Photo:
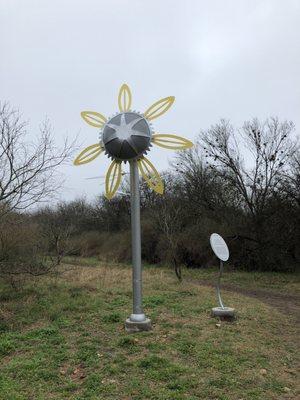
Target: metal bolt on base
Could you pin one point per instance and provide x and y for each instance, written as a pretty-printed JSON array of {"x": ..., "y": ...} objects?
[{"x": 137, "y": 321}]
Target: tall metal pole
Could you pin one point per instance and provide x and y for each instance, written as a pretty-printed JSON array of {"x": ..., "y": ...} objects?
[{"x": 138, "y": 314}]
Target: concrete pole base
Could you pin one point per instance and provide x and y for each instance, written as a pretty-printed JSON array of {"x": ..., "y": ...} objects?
[
  {"x": 225, "y": 314},
  {"x": 138, "y": 326}
]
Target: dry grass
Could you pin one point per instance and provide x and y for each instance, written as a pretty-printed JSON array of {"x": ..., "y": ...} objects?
[{"x": 63, "y": 338}]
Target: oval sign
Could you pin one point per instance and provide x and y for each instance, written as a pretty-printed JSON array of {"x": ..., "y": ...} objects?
[{"x": 219, "y": 246}]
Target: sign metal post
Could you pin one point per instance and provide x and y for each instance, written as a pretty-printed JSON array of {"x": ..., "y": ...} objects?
[{"x": 220, "y": 249}]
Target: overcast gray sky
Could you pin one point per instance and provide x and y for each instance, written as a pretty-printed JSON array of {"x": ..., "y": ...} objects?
[{"x": 235, "y": 59}]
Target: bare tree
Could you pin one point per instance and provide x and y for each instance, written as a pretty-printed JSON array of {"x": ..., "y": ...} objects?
[
  {"x": 253, "y": 160},
  {"x": 267, "y": 147},
  {"x": 28, "y": 175},
  {"x": 167, "y": 212},
  {"x": 28, "y": 170},
  {"x": 206, "y": 190},
  {"x": 55, "y": 230},
  {"x": 291, "y": 179},
  {"x": 24, "y": 250}
]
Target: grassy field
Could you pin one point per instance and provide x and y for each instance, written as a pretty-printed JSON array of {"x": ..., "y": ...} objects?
[{"x": 63, "y": 338}]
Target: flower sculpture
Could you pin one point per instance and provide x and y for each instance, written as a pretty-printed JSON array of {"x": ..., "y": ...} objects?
[{"x": 127, "y": 136}]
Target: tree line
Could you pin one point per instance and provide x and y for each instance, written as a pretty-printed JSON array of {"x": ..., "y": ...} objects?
[{"x": 243, "y": 183}]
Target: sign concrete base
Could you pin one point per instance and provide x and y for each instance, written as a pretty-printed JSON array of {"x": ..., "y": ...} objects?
[
  {"x": 226, "y": 313},
  {"x": 133, "y": 326}
]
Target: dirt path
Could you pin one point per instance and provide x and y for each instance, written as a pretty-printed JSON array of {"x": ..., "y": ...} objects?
[{"x": 285, "y": 303}]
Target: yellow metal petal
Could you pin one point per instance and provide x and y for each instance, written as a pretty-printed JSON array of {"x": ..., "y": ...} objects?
[
  {"x": 151, "y": 176},
  {"x": 159, "y": 108},
  {"x": 124, "y": 98},
  {"x": 88, "y": 154},
  {"x": 113, "y": 179},
  {"x": 172, "y": 142},
  {"x": 93, "y": 118}
]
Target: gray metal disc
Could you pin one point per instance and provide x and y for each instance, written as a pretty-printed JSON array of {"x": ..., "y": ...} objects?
[
  {"x": 126, "y": 136},
  {"x": 219, "y": 246}
]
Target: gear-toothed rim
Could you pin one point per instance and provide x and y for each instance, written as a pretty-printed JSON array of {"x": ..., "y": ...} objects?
[{"x": 139, "y": 155}]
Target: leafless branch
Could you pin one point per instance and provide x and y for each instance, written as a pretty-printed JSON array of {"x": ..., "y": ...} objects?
[{"x": 28, "y": 169}]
